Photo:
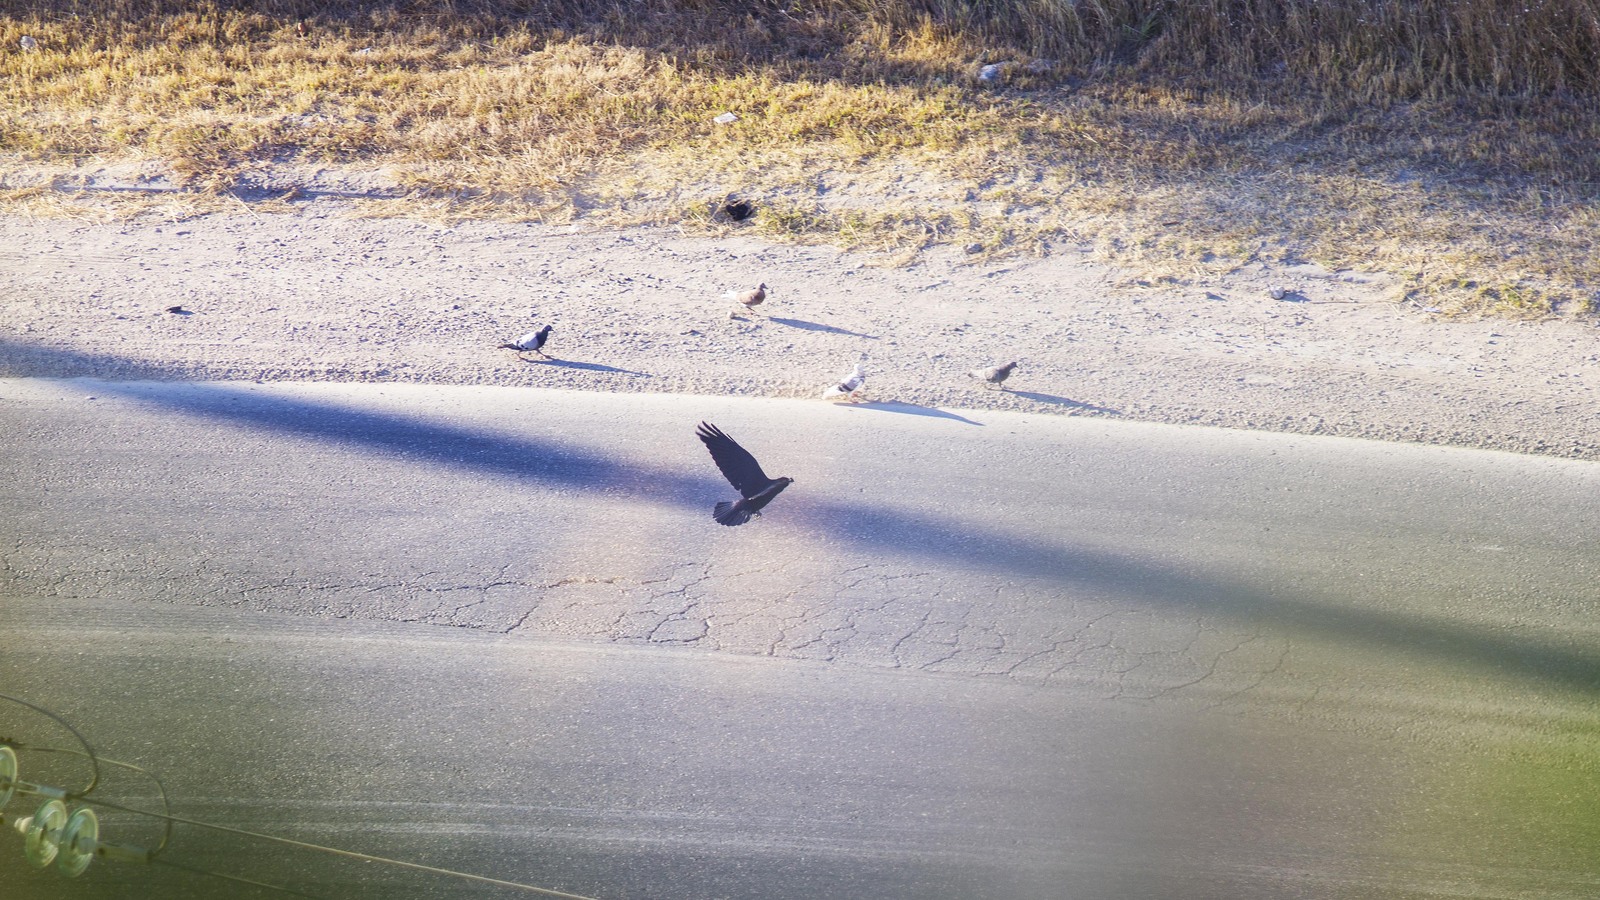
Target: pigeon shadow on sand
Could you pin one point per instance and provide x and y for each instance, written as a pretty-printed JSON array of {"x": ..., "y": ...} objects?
[
  {"x": 1067, "y": 402},
  {"x": 803, "y": 325},
  {"x": 586, "y": 366},
  {"x": 1549, "y": 659},
  {"x": 910, "y": 409}
]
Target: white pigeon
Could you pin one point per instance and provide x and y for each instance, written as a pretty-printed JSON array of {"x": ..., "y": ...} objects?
[
  {"x": 851, "y": 387},
  {"x": 29, "y": 44}
]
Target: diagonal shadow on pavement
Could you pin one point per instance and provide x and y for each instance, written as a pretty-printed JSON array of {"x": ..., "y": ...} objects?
[{"x": 1551, "y": 658}]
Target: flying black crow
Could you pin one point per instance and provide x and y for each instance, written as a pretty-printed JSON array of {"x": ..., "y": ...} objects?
[
  {"x": 995, "y": 375},
  {"x": 744, "y": 473},
  {"x": 533, "y": 340}
]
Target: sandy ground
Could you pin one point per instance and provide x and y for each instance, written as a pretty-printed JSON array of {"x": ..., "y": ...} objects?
[{"x": 318, "y": 295}]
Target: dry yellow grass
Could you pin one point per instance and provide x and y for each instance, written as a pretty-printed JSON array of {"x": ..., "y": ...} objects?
[{"x": 1177, "y": 138}]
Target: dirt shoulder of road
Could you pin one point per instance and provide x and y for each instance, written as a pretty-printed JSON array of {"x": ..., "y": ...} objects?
[{"x": 323, "y": 295}]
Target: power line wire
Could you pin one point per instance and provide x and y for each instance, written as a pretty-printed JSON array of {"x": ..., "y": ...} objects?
[
  {"x": 169, "y": 819},
  {"x": 367, "y": 857},
  {"x": 235, "y": 878},
  {"x": 166, "y": 805},
  {"x": 94, "y": 763}
]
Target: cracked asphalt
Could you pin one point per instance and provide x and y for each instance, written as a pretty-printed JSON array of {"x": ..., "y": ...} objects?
[
  {"x": 1416, "y": 599},
  {"x": 1128, "y": 558}
]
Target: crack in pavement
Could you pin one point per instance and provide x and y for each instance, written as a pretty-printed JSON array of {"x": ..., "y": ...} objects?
[{"x": 863, "y": 614}]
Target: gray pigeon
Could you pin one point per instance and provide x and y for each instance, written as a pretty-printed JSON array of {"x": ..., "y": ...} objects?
[
  {"x": 996, "y": 375},
  {"x": 850, "y": 387},
  {"x": 533, "y": 342}
]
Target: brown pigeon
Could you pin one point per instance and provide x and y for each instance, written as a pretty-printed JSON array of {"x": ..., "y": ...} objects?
[{"x": 748, "y": 299}]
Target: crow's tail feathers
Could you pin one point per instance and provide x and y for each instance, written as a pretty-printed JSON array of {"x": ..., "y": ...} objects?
[{"x": 727, "y": 514}]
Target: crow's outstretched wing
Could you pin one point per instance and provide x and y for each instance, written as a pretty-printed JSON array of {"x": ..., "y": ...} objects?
[{"x": 736, "y": 463}]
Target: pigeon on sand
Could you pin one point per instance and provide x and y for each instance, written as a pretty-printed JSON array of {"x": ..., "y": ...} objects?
[
  {"x": 851, "y": 387},
  {"x": 996, "y": 375},
  {"x": 756, "y": 490},
  {"x": 533, "y": 342},
  {"x": 748, "y": 299}
]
